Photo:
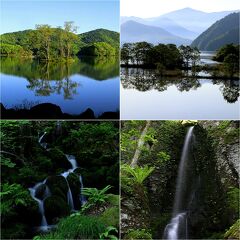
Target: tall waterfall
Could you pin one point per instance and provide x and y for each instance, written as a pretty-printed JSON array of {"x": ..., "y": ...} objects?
[
  {"x": 179, "y": 217},
  {"x": 44, "y": 224}
]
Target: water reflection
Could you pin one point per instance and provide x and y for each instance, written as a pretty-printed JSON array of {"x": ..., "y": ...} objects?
[
  {"x": 146, "y": 80},
  {"x": 84, "y": 81}
]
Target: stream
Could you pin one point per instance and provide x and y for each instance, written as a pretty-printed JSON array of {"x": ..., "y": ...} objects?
[{"x": 47, "y": 193}]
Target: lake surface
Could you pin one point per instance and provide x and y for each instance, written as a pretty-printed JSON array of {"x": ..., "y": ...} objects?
[
  {"x": 146, "y": 96},
  {"x": 206, "y": 58},
  {"x": 86, "y": 83}
]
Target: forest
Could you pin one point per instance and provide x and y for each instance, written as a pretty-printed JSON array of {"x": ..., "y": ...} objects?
[
  {"x": 164, "y": 57},
  {"x": 59, "y": 180},
  {"x": 47, "y": 43},
  {"x": 179, "y": 180}
]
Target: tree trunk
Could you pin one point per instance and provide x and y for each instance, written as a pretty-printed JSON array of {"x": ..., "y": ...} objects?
[{"x": 139, "y": 145}]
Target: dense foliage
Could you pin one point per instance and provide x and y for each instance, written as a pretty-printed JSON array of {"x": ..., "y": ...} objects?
[
  {"x": 25, "y": 162},
  {"x": 100, "y": 35},
  {"x": 98, "y": 49},
  {"x": 228, "y": 56},
  {"x": 224, "y": 31},
  {"x": 12, "y": 50},
  {"x": 57, "y": 44},
  {"x": 160, "y": 56}
]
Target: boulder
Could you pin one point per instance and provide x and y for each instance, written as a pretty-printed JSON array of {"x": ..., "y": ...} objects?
[
  {"x": 58, "y": 186},
  {"x": 55, "y": 208},
  {"x": 46, "y": 110},
  {"x": 75, "y": 186},
  {"x": 58, "y": 159}
]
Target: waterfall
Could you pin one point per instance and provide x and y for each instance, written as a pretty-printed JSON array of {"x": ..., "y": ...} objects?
[
  {"x": 179, "y": 218},
  {"x": 82, "y": 197},
  {"x": 72, "y": 160},
  {"x": 44, "y": 225},
  {"x": 43, "y": 144}
]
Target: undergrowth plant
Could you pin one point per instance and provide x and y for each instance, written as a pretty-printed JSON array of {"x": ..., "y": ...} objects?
[
  {"x": 138, "y": 174},
  {"x": 108, "y": 234},
  {"x": 95, "y": 195}
]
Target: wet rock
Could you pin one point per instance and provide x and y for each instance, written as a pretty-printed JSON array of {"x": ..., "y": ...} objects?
[
  {"x": 40, "y": 192},
  {"x": 59, "y": 159},
  {"x": 55, "y": 208},
  {"x": 75, "y": 186},
  {"x": 58, "y": 186}
]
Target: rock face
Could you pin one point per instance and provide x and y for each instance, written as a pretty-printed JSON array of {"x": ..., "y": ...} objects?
[
  {"x": 133, "y": 214},
  {"x": 227, "y": 150}
]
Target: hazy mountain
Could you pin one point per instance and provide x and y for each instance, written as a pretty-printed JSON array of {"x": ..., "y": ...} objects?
[
  {"x": 132, "y": 31},
  {"x": 224, "y": 31},
  {"x": 194, "y": 20},
  {"x": 165, "y": 23}
]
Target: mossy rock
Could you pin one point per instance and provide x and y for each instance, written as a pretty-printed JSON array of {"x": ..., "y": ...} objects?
[
  {"x": 55, "y": 208},
  {"x": 59, "y": 159},
  {"x": 75, "y": 186},
  {"x": 30, "y": 212},
  {"x": 58, "y": 186},
  {"x": 110, "y": 217},
  {"x": 40, "y": 191}
]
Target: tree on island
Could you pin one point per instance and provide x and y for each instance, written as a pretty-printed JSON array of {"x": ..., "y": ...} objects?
[
  {"x": 189, "y": 55},
  {"x": 43, "y": 38}
]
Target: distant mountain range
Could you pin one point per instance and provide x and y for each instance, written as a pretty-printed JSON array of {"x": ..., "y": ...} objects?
[
  {"x": 183, "y": 25},
  {"x": 224, "y": 31},
  {"x": 132, "y": 31}
]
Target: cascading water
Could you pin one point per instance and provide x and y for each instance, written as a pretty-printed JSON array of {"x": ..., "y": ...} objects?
[
  {"x": 179, "y": 218},
  {"x": 73, "y": 162},
  {"x": 44, "y": 225},
  {"x": 43, "y": 144},
  {"x": 82, "y": 197}
]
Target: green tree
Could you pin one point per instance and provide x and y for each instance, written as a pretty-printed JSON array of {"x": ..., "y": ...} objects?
[
  {"x": 69, "y": 37},
  {"x": 44, "y": 38},
  {"x": 186, "y": 53},
  {"x": 231, "y": 64},
  {"x": 126, "y": 53}
]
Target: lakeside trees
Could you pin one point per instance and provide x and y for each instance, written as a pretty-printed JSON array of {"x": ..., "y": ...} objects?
[
  {"x": 45, "y": 43},
  {"x": 228, "y": 55},
  {"x": 59, "y": 44},
  {"x": 160, "y": 56}
]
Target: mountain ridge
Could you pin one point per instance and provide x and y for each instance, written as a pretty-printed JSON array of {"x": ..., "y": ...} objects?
[
  {"x": 132, "y": 31},
  {"x": 223, "y": 31}
]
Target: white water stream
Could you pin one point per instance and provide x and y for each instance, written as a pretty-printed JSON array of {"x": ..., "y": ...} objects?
[
  {"x": 179, "y": 219},
  {"x": 44, "y": 225}
]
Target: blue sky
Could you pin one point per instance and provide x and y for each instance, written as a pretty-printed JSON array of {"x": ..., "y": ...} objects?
[{"x": 87, "y": 15}]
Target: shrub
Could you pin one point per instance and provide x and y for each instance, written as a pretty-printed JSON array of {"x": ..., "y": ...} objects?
[
  {"x": 76, "y": 227},
  {"x": 138, "y": 234},
  {"x": 96, "y": 196},
  {"x": 233, "y": 232},
  {"x": 138, "y": 174},
  {"x": 110, "y": 217}
]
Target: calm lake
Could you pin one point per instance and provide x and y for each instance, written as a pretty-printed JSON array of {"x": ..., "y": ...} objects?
[
  {"x": 145, "y": 96},
  {"x": 86, "y": 83}
]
